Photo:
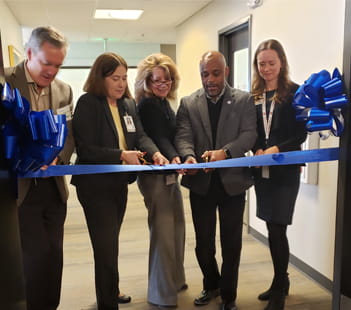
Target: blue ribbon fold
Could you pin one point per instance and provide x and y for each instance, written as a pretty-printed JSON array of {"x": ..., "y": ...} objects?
[
  {"x": 319, "y": 102},
  {"x": 31, "y": 139},
  {"x": 286, "y": 158}
]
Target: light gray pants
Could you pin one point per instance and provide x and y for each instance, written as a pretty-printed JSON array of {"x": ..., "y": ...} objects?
[{"x": 167, "y": 236}]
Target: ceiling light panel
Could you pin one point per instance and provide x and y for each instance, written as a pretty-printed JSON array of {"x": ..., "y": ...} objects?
[{"x": 118, "y": 14}]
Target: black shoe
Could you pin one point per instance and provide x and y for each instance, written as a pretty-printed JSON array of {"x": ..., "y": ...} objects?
[
  {"x": 267, "y": 294},
  {"x": 205, "y": 297},
  {"x": 228, "y": 306},
  {"x": 124, "y": 299},
  {"x": 184, "y": 287},
  {"x": 276, "y": 300}
]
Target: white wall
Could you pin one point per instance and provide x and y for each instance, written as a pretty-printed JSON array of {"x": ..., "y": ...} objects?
[
  {"x": 10, "y": 32},
  {"x": 312, "y": 34},
  {"x": 76, "y": 79},
  {"x": 85, "y": 53}
]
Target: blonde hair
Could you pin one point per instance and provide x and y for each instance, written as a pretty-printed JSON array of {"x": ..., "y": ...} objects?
[
  {"x": 144, "y": 74},
  {"x": 284, "y": 83},
  {"x": 104, "y": 66}
]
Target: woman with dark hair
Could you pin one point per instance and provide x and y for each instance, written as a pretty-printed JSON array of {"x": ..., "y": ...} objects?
[
  {"x": 156, "y": 84},
  {"x": 107, "y": 131},
  {"x": 276, "y": 186}
]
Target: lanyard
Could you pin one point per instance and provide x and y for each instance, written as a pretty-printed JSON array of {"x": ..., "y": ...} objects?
[{"x": 267, "y": 123}]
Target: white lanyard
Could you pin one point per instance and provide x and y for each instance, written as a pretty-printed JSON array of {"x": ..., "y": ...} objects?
[{"x": 267, "y": 123}]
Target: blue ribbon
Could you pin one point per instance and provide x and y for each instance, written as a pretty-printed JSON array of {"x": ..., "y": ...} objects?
[
  {"x": 31, "y": 139},
  {"x": 319, "y": 101},
  {"x": 286, "y": 158}
]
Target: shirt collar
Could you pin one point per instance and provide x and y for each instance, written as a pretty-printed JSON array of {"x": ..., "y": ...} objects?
[{"x": 30, "y": 80}]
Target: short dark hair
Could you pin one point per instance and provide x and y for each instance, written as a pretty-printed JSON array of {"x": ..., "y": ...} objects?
[
  {"x": 40, "y": 35},
  {"x": 104, "y": 66}
]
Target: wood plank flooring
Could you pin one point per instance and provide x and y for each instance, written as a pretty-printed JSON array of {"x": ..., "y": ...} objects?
[{"x": 78, "y": 292}]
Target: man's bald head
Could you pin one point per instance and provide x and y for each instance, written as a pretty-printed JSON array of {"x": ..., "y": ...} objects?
[
  {"x": 214, "y": 71},
  {"x": 212, "y": 56}
]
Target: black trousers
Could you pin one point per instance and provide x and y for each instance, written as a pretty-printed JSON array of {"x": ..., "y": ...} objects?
[
  {"x": 104, "y": 209},
  {"x": 204, "y": 213},
  {"x": 41, "y": 216}
]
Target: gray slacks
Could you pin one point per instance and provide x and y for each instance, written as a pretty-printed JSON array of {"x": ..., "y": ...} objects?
[{"x": 167, "y": 237}]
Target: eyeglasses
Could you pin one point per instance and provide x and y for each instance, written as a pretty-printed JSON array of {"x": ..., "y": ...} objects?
[{"x": 160, "y": 83}]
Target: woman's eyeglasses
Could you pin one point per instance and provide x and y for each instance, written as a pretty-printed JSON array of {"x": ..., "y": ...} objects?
[{"x": 160, "y": 83}]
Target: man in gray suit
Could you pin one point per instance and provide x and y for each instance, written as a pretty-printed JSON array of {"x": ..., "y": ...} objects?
[
  {"x": 42, "y": 201},
  {"x": 214, "y": 123}
]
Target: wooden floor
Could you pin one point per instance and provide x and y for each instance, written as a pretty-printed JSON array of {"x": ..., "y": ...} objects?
[{"x": 78, "y": 292}]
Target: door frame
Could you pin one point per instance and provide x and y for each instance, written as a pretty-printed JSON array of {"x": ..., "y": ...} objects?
[
  {"x": 229, "y": 30},
  {"x": 223, "y": 35},
  {"x": 342, "y": 252}
]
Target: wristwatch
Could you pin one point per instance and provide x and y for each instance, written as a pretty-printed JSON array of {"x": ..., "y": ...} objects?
[{"x": 227, "y": 153}]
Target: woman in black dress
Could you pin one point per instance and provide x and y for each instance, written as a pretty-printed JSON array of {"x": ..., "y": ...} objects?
[{"x": 276, "y": 186}]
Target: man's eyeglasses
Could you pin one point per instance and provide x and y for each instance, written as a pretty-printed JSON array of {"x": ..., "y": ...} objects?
[{"x": 160, "y": 83}]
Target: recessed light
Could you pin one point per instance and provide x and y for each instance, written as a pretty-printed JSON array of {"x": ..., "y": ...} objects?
[{"x": 118, "y": 14}]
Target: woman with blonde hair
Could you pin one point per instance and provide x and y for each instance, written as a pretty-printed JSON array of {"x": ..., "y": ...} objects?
[
  {"x": 276, "y": 186},
  {"x": 156, "y": 84}
]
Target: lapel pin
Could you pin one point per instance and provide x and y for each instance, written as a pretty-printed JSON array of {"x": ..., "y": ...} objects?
[{"x": 229, "y": 102}]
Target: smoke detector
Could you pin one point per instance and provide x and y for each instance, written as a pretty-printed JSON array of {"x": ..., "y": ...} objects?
[{"x": 252, "y": 4}]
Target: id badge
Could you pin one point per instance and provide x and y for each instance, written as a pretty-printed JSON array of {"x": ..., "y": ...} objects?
[
  {"x": 128, "y": 120},
  {"x": 265, "y": 172},
  {"x": 66, "y": 110},
  {"x": 171, "y": 178}
]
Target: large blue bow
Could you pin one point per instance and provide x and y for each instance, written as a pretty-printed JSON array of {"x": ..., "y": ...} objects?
[
  {"x": 319, "y": 102},
  {"x": 31, "y": 139}
]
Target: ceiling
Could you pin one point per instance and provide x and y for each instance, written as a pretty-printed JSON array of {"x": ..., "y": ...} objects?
[{"x": 75, "y": 18}]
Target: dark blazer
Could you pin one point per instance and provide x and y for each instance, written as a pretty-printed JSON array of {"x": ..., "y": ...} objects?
[
  {"x": 159, "y": 123},
  {"x": 96, "y": 136},
  {"x": 236, "y": 132},
  {"x": 61, "y": 96},
  {"x": 286, "y": 132}
]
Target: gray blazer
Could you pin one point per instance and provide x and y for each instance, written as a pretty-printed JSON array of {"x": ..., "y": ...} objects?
[
  {"x": 236, "y": 132},
  {"x": 61, "y": 96}
]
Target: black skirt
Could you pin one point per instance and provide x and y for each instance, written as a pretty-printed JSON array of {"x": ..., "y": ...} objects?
[{"x": 276, "y": 196}]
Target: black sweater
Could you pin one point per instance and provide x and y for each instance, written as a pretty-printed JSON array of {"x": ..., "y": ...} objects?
[{"x": 286, "y": 132}]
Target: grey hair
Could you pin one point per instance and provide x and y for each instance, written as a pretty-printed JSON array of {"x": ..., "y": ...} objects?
[{"x": 48, "y": 34}]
